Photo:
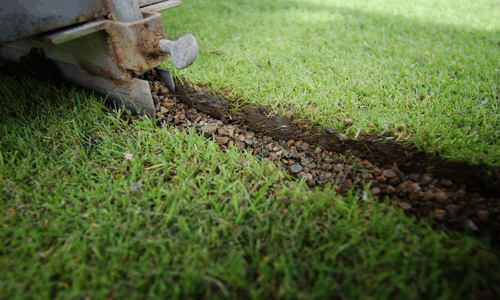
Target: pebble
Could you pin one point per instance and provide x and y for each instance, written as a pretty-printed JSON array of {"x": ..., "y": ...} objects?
[
  {"x": 425, "y": 179},
  {"x": 346, "y": 185},
  {"x": 221, "y": 140},
  {"x": 471, "y": 225},
  {"x": 413, "y": 188},
  {"x": 415, "y": 177},
  {"x": 439, "y": 214},
  {"x": 446, "y": 182},
  {"x": 389, "y": 174},
  {"x": 451, "y": 209},
  {"x": 240, "y": 145},
  {"x": 389, "y": 189},
  {"x": 296, "y": 168},
  {"x": 348, "y": 122},
  {"x": 441, "y": 197},
  {"x": 248, "y": 142},
  {"x": 405, "y": 206}
]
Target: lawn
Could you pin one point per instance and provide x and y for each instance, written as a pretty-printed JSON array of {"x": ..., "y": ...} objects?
[
  {"x": 428, "y": 71},
  {"x": 156, "y": 213}
]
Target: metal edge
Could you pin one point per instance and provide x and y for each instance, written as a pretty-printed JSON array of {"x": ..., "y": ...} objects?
[{"x": 160, "y": 6}]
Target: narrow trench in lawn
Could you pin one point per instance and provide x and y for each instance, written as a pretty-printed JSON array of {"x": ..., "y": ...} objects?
[{"x": 456, "y": 196}]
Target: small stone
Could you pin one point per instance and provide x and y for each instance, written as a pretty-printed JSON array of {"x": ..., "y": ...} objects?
[
  {"x": 441, "y": 197},
  {"x": 317, "y": 150},
  {"x": 328, "y": 175},
  {"x": 338, "y": 167},
  {"x": 250, "y": 135},
  {"x": 198, "y": 119},
  {"x": 241, "y": 138},
  {"x": 394, "y": 181},
  {"x": 348, "y": 122},
  {"x": 452, "y": 210},
  {"x": 446, "y": 182},
  {"x": 240, "y": 145},
  {"x": 454, "y": 221},
  {"x": 221, "y": 131},
  {"x": 428, "y": 196},
  {"x": 368, "y": 165},
  {"x": 346, "y": 185},
  {"x": 248, "y": 142},
  {"x": 389, "y": 174},
  {"x": 405, "y": 206},
  {"x": 221, "y": 140},
  {"x": 402, "y": 189},
  {"x": 482, "y": 215},
  {"x": 461, "y": 193},
  {"x": 208, "y": 130},
  {"x": 375, "y": 191},
  {"x": 311, "y": 183},
  {"x": 415, "y": 177},
  {"x": 439, "y": 214},
  {"x": 425, "y": 179},
  {"x": 471, "y": 225},
  {"x": 290, "y": 143},
  {"x": 381, "y": 178},
  {"x": 296, "y": 168},
  {"x": 478, "y": 200},
  {"x": 389, "y": 189},
  {"x": 413, "y": 188},
  {"x": 169, "y": 105},
  {"x": 305, "y": 146}
]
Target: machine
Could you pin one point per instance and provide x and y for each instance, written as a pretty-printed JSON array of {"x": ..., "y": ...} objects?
[{"x": 102, "y": 45}]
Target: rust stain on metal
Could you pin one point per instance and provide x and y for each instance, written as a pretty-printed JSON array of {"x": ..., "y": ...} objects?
[
  {"x": 114, "y": 52},
  {"x": 149, "y": 36}
]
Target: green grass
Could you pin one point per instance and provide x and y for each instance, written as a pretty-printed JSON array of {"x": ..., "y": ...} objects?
[
  {"x": 418, "y": 69},
  {"x": 182, "y": 220}
]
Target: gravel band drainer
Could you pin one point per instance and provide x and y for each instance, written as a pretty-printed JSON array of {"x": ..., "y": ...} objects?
[{"x": 455, "y": 195}]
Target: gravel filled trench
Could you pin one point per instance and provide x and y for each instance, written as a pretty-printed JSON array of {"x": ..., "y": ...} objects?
[{"x": 451, "y": 205}]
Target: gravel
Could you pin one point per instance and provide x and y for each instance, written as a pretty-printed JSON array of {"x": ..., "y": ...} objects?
[{"x": 422, "y": 195}]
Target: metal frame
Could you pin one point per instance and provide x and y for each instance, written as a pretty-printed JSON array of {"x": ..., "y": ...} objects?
[{"x": 103, "y": 53}]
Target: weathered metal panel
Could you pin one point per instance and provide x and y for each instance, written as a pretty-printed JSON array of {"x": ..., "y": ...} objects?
[
  {"x": 23, "y": 18},
  {"x": 135, "y": 94},
  {"x": 160, "y": 6},
  {"x": 125, "y": 11}
]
